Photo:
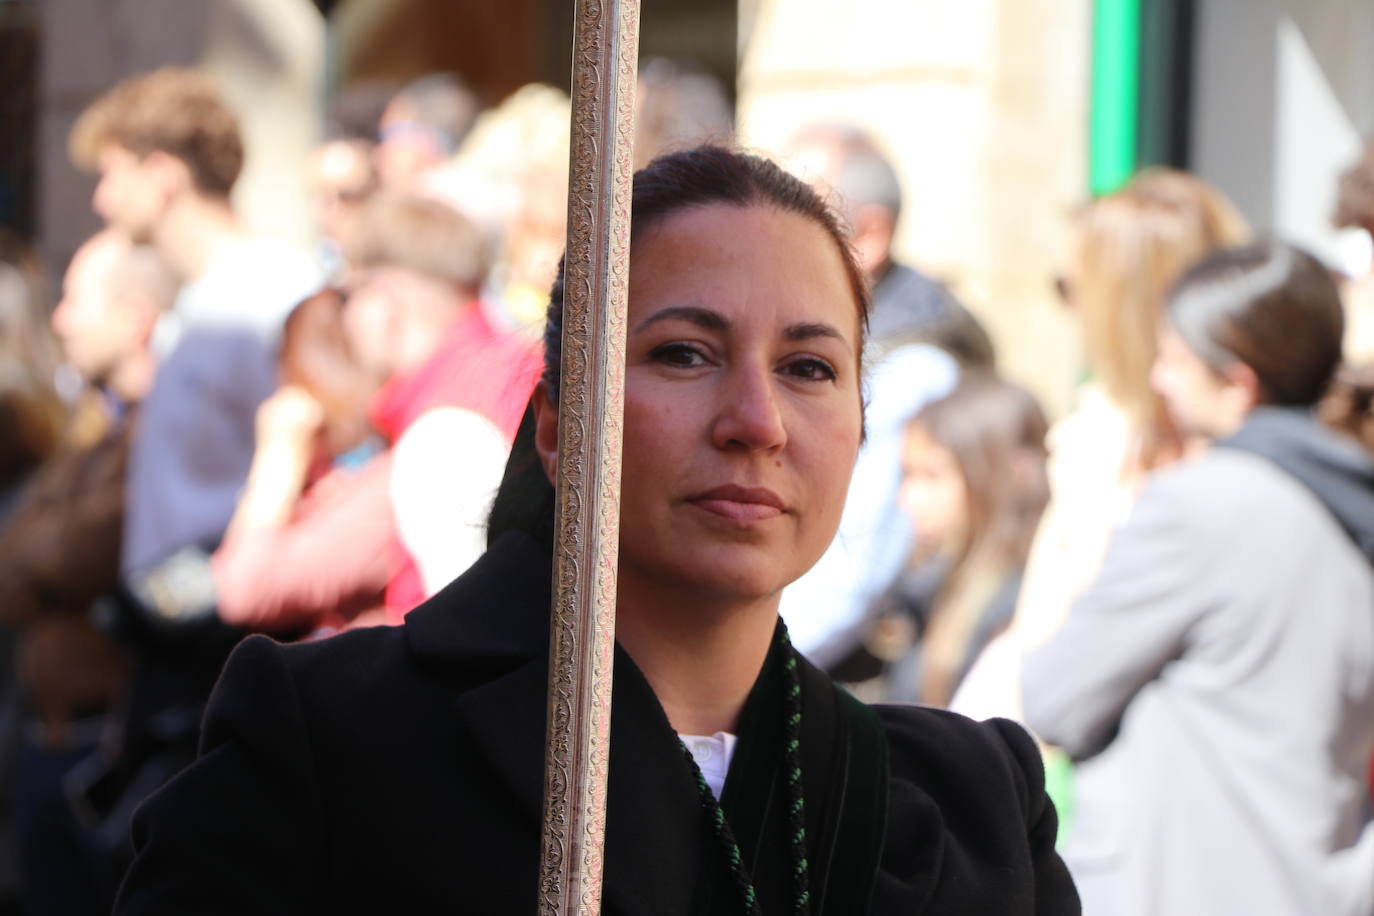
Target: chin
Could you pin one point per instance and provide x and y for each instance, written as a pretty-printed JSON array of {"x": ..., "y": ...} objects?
[{"x": 735, "y": 574}]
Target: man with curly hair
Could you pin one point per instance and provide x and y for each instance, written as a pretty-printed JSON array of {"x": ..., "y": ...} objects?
[{"x": 168, "y": 151}]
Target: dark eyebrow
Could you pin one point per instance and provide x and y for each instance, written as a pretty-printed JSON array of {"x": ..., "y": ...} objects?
[
  {"x": 702, "y": 317},
  {"x": 809, "y": 331},
  {"x": 715, "y": 321}
]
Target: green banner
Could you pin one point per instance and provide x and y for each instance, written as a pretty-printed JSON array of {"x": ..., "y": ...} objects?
[{"x": 1114, "y": 117}]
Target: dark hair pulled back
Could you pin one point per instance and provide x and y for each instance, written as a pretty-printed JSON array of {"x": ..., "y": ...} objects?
[{"x": 1271, "y": 306}]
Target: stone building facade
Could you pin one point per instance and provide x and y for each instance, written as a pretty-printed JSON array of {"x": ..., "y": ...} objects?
[{"x": 982, "y": 105}]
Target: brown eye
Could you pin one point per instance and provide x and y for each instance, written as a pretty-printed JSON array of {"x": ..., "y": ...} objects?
[
  {"x": 678, "y": 355},
  {"x": 811, "y": 369}
]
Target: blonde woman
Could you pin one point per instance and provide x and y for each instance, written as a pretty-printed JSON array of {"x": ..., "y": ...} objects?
[{"x": 1125, "y": 251}]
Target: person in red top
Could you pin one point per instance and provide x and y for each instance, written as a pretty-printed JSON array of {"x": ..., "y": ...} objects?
[
  {"x": 308, "y": 546},
  {"x": 453, "y": 388}
]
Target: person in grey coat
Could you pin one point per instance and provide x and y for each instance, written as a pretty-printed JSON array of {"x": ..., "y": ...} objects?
[{"x": 1216, "y": 683}]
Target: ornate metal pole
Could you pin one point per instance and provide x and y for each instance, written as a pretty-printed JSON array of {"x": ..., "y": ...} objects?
[{"x": 591, "y": 406}]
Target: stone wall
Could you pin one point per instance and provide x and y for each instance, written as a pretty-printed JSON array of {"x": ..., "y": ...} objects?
[
  {"x": 982, "y": 104},
  {"x": 269, "y": 55}
]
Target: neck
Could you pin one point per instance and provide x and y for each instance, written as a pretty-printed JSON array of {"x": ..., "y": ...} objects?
[
  {"x": 194, "y": 232},
  {"x": 700, "y": 657}
]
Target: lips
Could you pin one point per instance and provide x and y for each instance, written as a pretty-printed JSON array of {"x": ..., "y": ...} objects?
[{"x": 740, "y": 504}]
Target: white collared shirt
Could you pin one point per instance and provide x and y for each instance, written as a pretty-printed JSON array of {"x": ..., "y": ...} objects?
[{"x": 712, "y": 754}]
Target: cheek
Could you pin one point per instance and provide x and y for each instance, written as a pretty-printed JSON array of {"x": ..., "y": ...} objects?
[
  {"x": 93, "y": 325},
  {"x": 917, "y": 500},
  {"x": 927, "y": 505},
  {"x": 1183, "y": 386},
  {"x": 106, "y": 201},
  {"x": 653, "y": 433},
  {"x": 953, "y": 503},
  {"x": 114, "y": 329},
  {"x": 62, "y": 317},
  {"x": 365, "y": 326},
  {"x": 830, "y": 452},
  {"x": 652, "y": 464},
  {"x": 1159, "y": 381},
  {"x": 1175, "y": 384},
  {"x": 353, "y": 324},
  {"x": 844, "y": 433},
  {"x": 909, "y": 497}
]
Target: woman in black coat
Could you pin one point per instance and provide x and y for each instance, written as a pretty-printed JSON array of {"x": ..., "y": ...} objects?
[{"x": 400, "y": 770}]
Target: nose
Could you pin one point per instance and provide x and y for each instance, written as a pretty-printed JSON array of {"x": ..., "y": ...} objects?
[
  {"x": 749, "y": 415},
  {"x": 100, "y": 197},
  {"x": 60, "y": 314},
  {"x": 1159, "y": 378},
  {"x": 908, "y": 497}
]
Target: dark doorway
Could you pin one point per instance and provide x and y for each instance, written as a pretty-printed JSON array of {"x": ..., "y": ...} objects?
[
  {"x": 1167, "y": 40},
  {"x": 498, "y": 48},
  {"x": 18, "y": 115}
]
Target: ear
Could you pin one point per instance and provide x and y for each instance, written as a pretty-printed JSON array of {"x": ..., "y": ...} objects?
[
  {"x": 172, "y": 174},
  {"x": 546, "y": 430},
  {"x": 1245, "y": 388},
  {"x": 874, "y": 229}
]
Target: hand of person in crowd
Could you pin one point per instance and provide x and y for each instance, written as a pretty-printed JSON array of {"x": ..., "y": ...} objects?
[
  {"x": 291, "y": 416},
  {"x": 287, "y": 424}
]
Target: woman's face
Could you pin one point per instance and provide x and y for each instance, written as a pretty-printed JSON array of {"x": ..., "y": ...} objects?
[
  {"x": 1201, "y": 401},
  {"x": 932, "y": 491},
  {"x": 742, "y": 409}
]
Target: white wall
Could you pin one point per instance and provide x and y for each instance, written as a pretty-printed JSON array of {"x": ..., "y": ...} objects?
[
  {"x": 983, "y": 107},
  {"x": 1284, "y": 92},
  {"x": 269, "y": 55}
]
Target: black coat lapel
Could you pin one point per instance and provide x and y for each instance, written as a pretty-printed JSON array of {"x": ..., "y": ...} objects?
[
  {"x": 488, "y": 632},
  {"x": 490, "y": 628},
  {"x": 505, "y": 723},
  {"x": 844, "y": 778},
  {"x": 654, "y": 835},
  {"x": 850, "y": 783},
  {"x": 658, "y": 853}
]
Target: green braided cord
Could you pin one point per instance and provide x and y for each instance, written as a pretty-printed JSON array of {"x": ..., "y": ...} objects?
[
  {"x": 721, "y": 828},
  {"x": 796, "y": 808}
]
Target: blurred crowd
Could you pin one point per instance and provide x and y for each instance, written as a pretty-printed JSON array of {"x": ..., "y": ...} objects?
[{"x": 208, "y": 433}]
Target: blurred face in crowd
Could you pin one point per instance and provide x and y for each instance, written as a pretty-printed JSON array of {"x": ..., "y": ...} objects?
[
  {"x": 372, "y": 316},
  {"x": 818, "y": 154},
  {"x": 932, "y": 493},
  {"x": 343, "y": 180},
  {"x": 394, "y": 316},
  {"x": 99, "y": 323},
  {"x": 407, "y": 147},
  {"x": 1202, "y": 401},
  {"x": 132, "y": 192},
  {"x": 742, "y": 407}
]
